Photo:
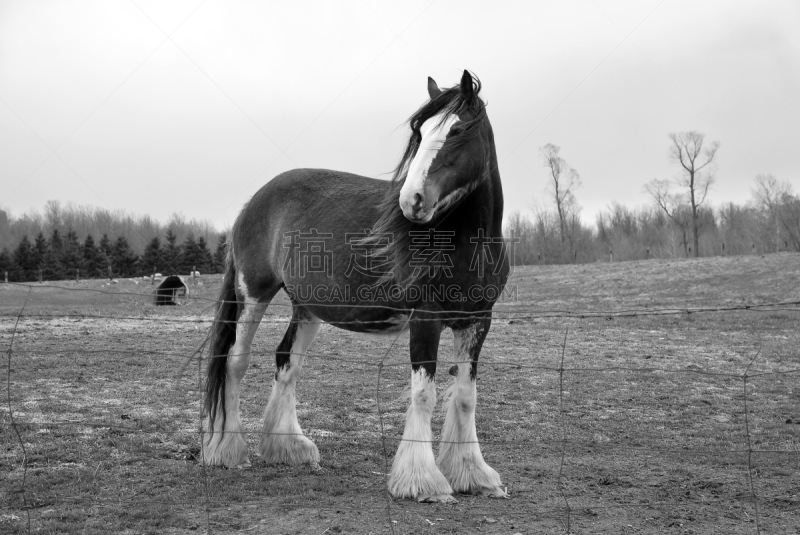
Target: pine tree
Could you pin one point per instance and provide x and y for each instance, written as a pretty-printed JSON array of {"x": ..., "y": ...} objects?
[
  {"x": 52, "y": 266},
  {"x": 40, "y": 248},
  {"x": 105, "y": 245},
  {"x": 104, "y": 251},
  {"x": 190, "y": 256},
  {"x": 219, "y": 255},
  {"x": 205, "y": 261},
  {"x": 55, "y": 241},
  {"x": 123, "y": 259},
  {"x": 71, "y": 254},
  {"x": 152, "y": 257},
  {"x": 23, "y": 260},
  {"x": 6, "y": 264},
  {"x": 172, "y": 254},
  {"x": 92, "y": 259}
]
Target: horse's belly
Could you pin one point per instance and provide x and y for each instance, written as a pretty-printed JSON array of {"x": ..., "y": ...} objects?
[{"x": 362, "y": 320}]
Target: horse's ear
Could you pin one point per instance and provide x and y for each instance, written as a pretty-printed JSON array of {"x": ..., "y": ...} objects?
[
  {"x": 467, "y": 89},
  {"x": 433, "y": 89}
]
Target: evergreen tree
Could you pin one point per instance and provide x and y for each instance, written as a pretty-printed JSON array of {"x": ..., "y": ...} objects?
[
  {"x": 6, "y": 264},
  {"x": 40, "y": 248},
  {"x": 172, "y": 254},
  {"x": 105, "y": 245},
  {"x": 23, "y": 260},
  {"x": 55, "y": 242},
  {"x": 123, "y": 259},
  {"x": 205, "y": 261},
  {"x": 92, "y": 259},
  {"x": 53, "y": 268},
  {"x": 71, "y": 254},
  {"x": 191, "y": 255},
  {"x": 152, "y": 257},
  {"x": 105, "y": 251},
  {"x": 219, "y": 255}
]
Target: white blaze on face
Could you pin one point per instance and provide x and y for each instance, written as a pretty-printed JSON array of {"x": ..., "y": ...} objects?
[{"x": 433, "y": 133}]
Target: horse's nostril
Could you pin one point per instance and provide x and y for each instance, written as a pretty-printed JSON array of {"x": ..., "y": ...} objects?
[{"x": 417, "y": 200}]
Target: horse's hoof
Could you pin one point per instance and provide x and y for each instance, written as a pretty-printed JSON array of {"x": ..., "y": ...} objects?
[
  {"x": 495, "y": 492},
  {"x": 437, "y": 498}
]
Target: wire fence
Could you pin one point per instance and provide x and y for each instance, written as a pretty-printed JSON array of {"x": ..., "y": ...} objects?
[{"x": 562, "y": 445}]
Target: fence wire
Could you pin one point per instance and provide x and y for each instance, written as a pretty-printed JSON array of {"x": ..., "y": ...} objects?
[{"x": 573, "y": 507}]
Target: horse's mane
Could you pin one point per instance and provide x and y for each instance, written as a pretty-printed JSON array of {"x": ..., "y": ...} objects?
[{"x": 397, "y": 253}]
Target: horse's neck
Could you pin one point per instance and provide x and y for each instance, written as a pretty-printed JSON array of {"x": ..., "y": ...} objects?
[{"x": 483, "y": 208}]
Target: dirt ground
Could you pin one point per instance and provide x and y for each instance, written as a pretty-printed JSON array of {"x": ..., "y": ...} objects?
[{"x": 644, "y": 430}]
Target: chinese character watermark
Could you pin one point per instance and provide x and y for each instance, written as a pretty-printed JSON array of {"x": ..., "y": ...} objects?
[
  {"x": 365, "y": 257},
  {"x": 307, "y": 252},
  {"x": 429, "y": 251},
  {"x": 482, "y": 254}
]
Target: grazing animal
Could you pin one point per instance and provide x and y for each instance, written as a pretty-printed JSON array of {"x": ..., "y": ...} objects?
[{"x": 423, "y": 251}]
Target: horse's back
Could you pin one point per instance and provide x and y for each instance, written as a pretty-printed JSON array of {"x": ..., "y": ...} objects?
[
  {"x": 312, "y": 195},
  {"x": 305, "y": 203}
]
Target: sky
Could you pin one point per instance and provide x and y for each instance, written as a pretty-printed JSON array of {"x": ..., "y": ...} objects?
[{"x": 191, "y": 106}]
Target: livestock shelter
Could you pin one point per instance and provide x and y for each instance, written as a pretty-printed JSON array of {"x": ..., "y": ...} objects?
[{"x": 169, "y": 289}]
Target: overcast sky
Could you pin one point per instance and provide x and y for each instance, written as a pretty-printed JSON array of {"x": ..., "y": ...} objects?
[{"x": 158, "y": 107}]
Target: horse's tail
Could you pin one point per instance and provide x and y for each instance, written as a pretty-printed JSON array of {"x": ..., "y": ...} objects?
[{"x": 223, "y": 335}]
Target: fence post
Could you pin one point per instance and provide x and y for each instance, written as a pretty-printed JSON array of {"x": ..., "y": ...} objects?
[
  {"x": 153, "y": 277},
  {"x": 110, "y": 278},
  {"x": 754, "y": 247},
  {"x": 77, "y": 274},
  {"x": 40, "y": 275},
  {"x": 194, "y": 277},
  {"x": 6, "y": 277},
  {"x": 723, "y": 248},
  {"x": 611, "y": 256},
  {"x": 648, "y": 253}
]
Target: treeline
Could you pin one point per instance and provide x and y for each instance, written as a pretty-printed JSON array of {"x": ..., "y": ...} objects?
[
  {"x": 680, "y": 222},
  {"x": 65, "y": 252},
  {"x": 89, "y": 220},
  {"x": 621, "y": 233}
]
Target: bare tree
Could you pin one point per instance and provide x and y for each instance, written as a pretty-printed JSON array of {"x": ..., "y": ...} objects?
[
  {"x": 673, "y": 205},
  {"x": 696, "y": 176},
  {"x": 521, "y": 228},
  {"x": 563, "y": 181},
  {"x": 769, "y": 194}
]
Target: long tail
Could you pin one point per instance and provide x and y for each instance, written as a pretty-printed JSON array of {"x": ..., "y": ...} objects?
[{"x": 223, "y": 335}]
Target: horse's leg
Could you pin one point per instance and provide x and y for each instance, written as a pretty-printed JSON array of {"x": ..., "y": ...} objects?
[
  {"x": 460, "y": 456},
  {"x": 282, "y": 440},
  {"x": 228, "y": 446},
  {"x": 414, "y": 472}
]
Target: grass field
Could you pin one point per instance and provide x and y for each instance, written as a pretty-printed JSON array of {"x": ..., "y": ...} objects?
[{"x": 644, "y": 431}]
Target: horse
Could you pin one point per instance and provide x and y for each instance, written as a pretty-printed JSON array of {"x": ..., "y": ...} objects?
[{"x": 421, "y": 252}]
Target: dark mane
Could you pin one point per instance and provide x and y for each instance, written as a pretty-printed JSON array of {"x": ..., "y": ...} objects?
[
  {"x": 392, "y": 221},
  {"x": 452, "y": 102}
]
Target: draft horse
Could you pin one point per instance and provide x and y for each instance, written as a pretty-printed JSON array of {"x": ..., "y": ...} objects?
[{"x": 423, "y": 251}]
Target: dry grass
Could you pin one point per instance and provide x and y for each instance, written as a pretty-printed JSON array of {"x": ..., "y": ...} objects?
[{"x": 652, "y": 409}]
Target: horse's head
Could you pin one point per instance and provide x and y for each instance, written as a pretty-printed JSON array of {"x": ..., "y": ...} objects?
[{"x": 447, "y": 150}]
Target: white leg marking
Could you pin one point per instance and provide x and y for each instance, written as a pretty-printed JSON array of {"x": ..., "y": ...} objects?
[
  {"x": 460, "y": 457},
  {"x": 414, "y": 473},
  {"x": 282, "y": 439},
  {"x": 229, "y": 448}
]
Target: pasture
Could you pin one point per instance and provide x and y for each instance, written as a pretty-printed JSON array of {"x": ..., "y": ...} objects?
[{"x": 602, "y": 413}]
